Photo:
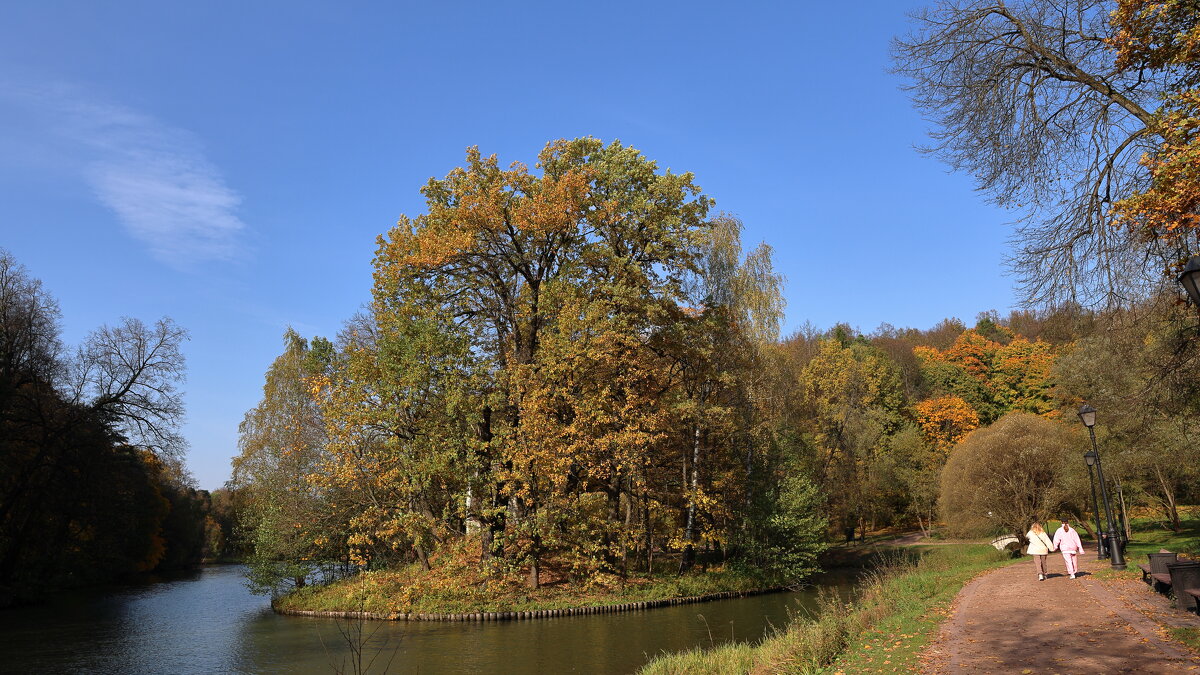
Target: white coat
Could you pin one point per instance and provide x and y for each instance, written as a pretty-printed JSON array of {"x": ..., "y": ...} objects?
[{"x": 1039, "y": 543}]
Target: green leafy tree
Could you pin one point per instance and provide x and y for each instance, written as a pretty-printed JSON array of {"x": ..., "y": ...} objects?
[
  {"x": 854, "y": 401},
  {"x": 281, "y": 442}
]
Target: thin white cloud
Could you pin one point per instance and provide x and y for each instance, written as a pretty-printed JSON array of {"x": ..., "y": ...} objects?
[{"x": 154, "y": 177}]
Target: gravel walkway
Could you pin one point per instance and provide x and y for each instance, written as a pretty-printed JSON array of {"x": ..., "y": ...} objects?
[{"x": 1007, "y": 621}]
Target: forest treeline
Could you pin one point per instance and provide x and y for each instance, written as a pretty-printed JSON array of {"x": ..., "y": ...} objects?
[
  {"x": 580, "y": 371},
  {"x": 92, "y": 484}
]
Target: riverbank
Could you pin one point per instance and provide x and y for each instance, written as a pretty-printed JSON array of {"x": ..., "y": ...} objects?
[
  {"x": 455, "y": 587},
  {"x": 636, "y": 606},
  {"x": 14, "y": 598},
  {"x": 893, "y": 618}
]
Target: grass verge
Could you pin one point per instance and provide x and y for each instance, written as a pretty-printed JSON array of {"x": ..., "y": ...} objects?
[
  {"x": 892, "y": 619},
  {"x": 1187, "y": 635},
  {"x": 1149, "y": 536}
]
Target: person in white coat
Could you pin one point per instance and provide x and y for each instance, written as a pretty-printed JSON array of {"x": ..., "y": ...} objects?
[{"x": 1039, "y": 547}]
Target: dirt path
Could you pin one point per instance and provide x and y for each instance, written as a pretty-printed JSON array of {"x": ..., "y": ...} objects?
[{"x": 1007, "y": 621}]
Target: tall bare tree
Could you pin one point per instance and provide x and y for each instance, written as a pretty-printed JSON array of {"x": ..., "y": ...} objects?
[
  {"x": 129, "y": 374},
  {"x": 1027, "y": 97}
]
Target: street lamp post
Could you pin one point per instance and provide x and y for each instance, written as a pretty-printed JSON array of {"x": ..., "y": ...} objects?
[
  {"x": 1116, "y": 557},
  {"x": 1089, "y": 458}
]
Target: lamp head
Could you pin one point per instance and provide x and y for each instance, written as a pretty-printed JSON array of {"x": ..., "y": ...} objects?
[
  {"x": 1189, "y": 278},
  {"x": 1087, "y": 415}
]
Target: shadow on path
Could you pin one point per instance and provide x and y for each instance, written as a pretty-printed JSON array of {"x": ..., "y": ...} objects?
[{"x": 1008, "y": 621}]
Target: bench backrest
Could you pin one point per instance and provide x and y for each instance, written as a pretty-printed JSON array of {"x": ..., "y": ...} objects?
[
  {"x": 1184, "y": 575},
  {"x": 1159, "y": 562}
]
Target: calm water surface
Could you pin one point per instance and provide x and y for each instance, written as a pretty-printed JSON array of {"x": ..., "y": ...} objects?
[{"x": 208, "y": 622}]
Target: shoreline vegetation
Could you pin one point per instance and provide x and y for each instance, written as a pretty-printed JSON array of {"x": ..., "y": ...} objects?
[
  {"x": 457, "y": 587},
  {"x": 892, "y": 617},
  {"x": 531, "y": 614}
]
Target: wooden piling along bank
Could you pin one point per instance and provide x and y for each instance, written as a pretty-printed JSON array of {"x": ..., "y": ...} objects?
[{"x": 532, "y": 614}]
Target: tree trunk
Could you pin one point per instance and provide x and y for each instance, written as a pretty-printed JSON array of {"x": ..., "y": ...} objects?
[
  {"x": 688, "y": 559},
  {"x": 1168, "y": 499},
  {"x": 648, "y": 528},
  {"x": 613, "y": 518},
  {"x": 493, "y": 524},
  {"x": 1124, "y": 516},
  {"x": 535, "y": 572}
]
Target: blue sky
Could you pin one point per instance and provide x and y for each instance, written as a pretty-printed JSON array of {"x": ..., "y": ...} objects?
[{"x": 229, "y": 164}]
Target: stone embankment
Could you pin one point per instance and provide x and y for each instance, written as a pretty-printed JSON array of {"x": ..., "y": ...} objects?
[{"x": 531, "y": 614}]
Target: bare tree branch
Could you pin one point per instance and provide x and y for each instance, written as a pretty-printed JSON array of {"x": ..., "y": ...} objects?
[
  {"x": 129, "y": 374},
  {"x": 1026, "y": 97}
]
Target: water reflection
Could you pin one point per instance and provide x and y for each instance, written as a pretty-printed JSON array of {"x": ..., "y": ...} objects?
[{"x": 208, "y": 622}]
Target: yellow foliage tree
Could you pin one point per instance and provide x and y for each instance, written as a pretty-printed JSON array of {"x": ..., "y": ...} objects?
[{"x": 946, "y": 420}]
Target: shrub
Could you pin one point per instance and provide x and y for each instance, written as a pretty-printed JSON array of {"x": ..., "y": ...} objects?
[{"x": 1002, "y": 477}]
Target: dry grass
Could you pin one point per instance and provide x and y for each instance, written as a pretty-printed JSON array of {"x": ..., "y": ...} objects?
[
  {"x": 457, "y": 584},
  {"x": 885, "y": 627}
]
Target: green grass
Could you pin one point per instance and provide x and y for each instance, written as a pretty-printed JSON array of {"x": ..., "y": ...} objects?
[
  {"x": 1149, "y": 536},
  {"x": 896, "y": 613},
  {"x": 1188, "y": 636}
]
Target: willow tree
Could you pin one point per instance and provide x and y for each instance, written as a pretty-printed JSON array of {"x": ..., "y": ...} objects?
[
  {"x": 281, "y": 442},
  {"x": 1001, "y": 478}
]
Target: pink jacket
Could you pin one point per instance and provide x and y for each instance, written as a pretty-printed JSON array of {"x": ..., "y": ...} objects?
[{"x": 1067, "y": 541}]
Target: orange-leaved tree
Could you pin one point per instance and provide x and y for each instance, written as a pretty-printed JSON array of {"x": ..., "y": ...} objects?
[{"x": 1164, "y": 36}]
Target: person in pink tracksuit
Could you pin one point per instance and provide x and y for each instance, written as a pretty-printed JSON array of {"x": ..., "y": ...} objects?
[{"x": 1066, "y": 540}]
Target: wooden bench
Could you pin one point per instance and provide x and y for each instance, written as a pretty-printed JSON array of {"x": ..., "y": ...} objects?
[
  {"x": 1185, "y": 581},
  {"x": 1156, "y": 573}
]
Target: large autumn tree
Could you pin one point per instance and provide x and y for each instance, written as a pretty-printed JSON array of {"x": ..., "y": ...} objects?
[{"x": 555, "y": 361}]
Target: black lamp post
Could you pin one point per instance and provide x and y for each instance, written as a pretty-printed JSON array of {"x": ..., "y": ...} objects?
[
  {"x": 1116, "y": 557},
  {"x": 1090, "y": 458},
  {"x": 1189, "y": 278}
]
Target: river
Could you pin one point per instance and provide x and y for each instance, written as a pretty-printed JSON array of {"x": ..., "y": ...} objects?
[{"x": 208, "y": 622}]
